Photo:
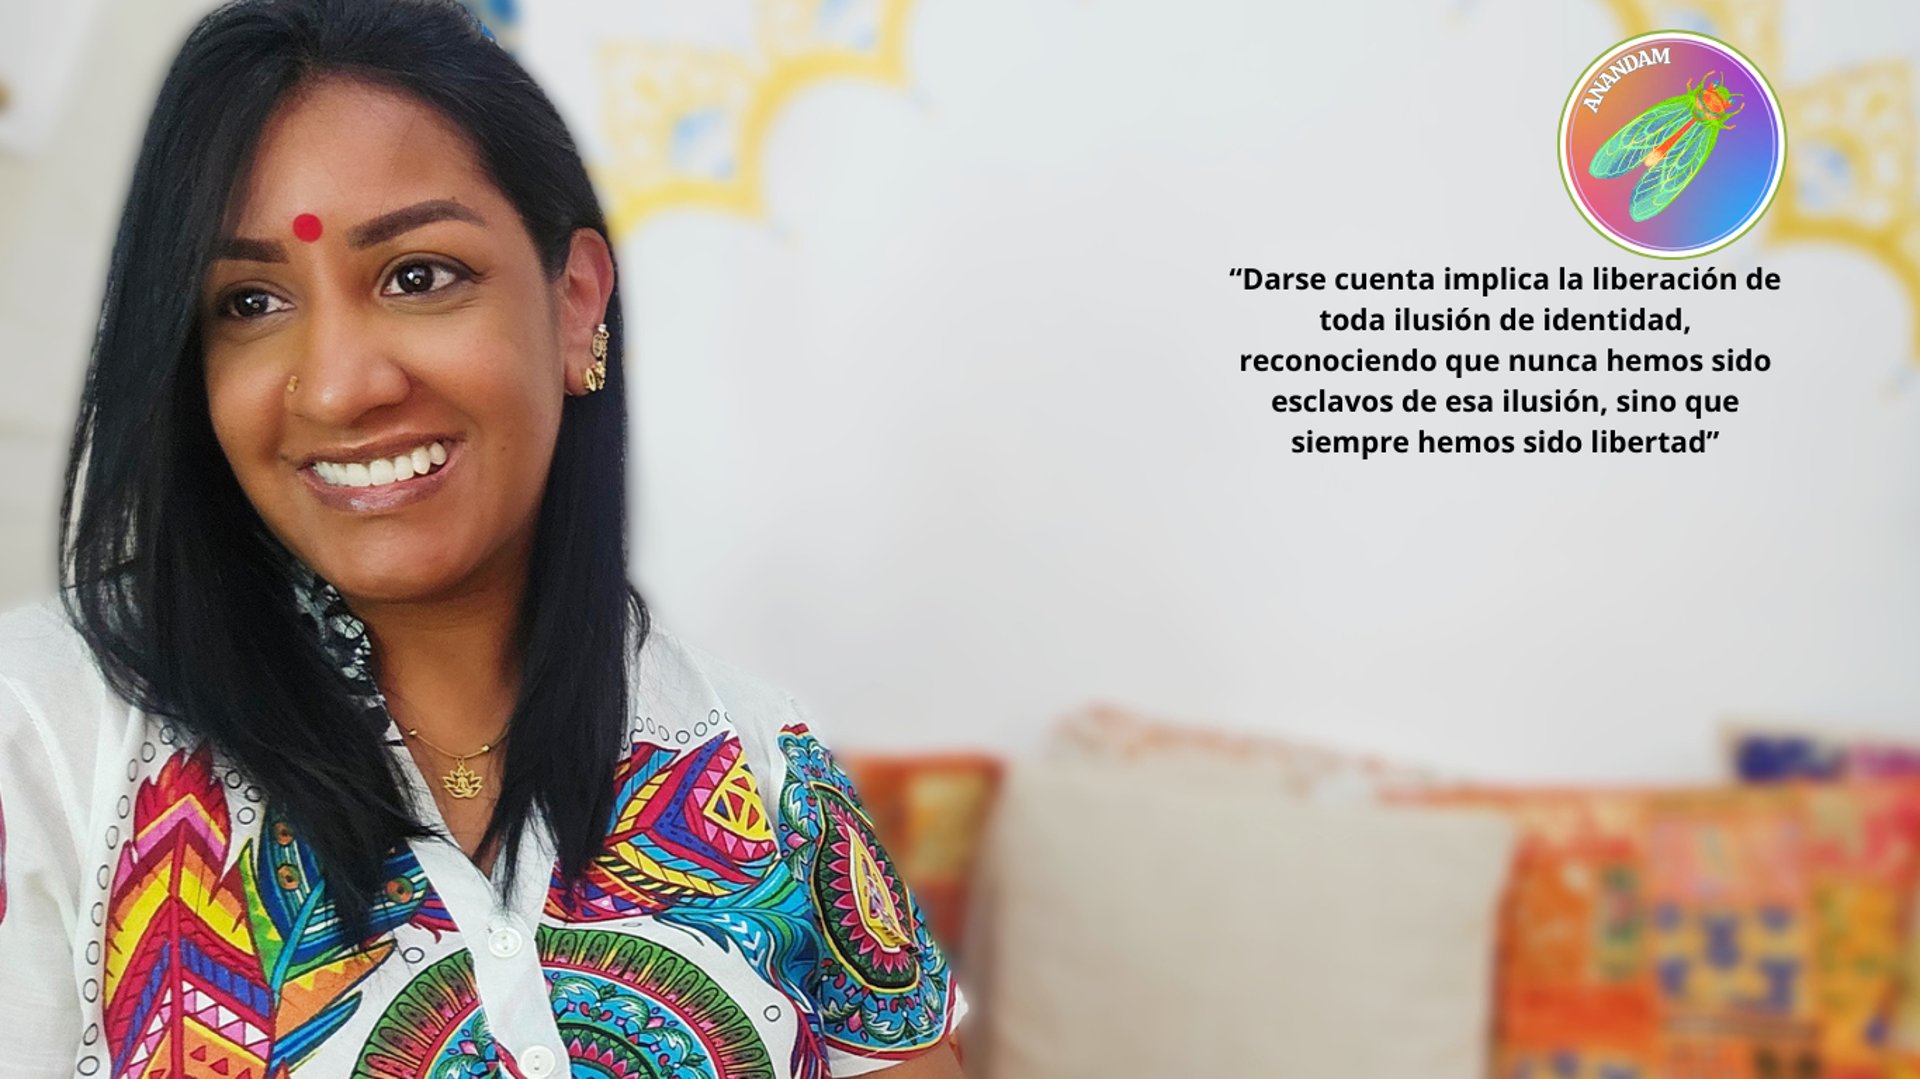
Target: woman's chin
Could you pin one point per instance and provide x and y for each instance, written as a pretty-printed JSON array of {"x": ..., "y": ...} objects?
[{"x": 373, "y": 578}]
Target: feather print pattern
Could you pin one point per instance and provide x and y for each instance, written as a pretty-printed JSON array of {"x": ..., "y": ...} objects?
[
  {"x": 310, "y": 965},
  {"x": 237, "y": 970},
  {"x": 184, "y": 990}
]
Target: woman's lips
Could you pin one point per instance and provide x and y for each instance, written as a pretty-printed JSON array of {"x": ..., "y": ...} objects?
[{"x": 387, "y": 497}]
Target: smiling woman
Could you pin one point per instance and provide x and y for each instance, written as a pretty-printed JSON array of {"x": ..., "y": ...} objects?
[
  {"x": 348, "y": 747},
  {"x": 428, "y": 304}
]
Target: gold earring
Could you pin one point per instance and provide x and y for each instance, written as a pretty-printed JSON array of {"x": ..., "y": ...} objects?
[{"x": 596, "y": 374}]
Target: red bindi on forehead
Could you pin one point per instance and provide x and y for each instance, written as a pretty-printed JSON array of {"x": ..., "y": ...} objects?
[{"x": 306, "y": 228}]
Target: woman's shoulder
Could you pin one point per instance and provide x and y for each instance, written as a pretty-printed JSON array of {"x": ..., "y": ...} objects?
[
  {"x": 37, "y": 627},
  {"x": 46, "y": 666},
  {"x": 679, "y": 674},
  {"x": 56, "y": 708},
  {"x": 56, "y": 714},
  {"x": 689, "y": 694}
]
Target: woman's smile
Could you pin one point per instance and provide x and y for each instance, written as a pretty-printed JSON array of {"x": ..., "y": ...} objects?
[{"x": 378, "y": 483}]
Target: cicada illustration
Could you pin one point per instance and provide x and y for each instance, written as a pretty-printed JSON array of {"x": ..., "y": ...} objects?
[{"x": 1672, "y": 139}]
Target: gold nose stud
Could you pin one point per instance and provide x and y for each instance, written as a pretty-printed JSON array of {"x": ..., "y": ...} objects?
[{"x": 293, "y": 383}]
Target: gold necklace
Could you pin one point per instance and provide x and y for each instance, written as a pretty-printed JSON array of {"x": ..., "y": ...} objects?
[{"x": 461, "y": 782}]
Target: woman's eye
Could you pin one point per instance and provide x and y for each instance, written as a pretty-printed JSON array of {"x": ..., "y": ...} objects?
[
  {"x": 415, "y": 278},
  {"x": 251, "y": 303}
]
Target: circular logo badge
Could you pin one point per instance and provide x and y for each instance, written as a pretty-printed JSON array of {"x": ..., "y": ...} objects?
[{"x": 1672, "y": 144}]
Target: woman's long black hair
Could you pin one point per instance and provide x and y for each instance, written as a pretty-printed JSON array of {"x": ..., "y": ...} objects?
[{"x": 179, "y": 588}]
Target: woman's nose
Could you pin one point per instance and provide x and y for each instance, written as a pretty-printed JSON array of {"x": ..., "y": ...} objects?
[{"x": 346, "y": 368}]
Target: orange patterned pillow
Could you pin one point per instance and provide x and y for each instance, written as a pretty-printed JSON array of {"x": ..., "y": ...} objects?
[
  {"x": 1733, "y": 933},
  {"x": 1864, "y": 841},
  {"x": 1575, "y": 993},
  {"x": 1767, "y": 753}
]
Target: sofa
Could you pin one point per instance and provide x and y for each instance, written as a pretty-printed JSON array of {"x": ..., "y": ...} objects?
[{"x": 1145, "y": 897}]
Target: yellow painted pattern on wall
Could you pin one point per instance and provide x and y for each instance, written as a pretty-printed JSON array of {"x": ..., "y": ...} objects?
[{"x": 687, "y": 126}]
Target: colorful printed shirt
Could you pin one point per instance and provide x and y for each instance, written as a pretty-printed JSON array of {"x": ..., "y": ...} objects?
[{"x": 159, "y": 917}]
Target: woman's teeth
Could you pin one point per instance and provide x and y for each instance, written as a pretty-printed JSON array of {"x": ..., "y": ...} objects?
[{"x": 384, "y": 470}]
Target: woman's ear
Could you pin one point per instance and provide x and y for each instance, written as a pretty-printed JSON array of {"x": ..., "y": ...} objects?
[{"x": 584, "y": 289}]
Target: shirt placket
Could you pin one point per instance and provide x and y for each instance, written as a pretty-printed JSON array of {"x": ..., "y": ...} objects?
[{"x": 498, "y": 930}]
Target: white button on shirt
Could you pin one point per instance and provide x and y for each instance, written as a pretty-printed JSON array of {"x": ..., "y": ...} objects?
[
  {"x": 743, "y": 919},
  {"x": 505, "y": 941},
  {"x": 537, "y": 1062}
]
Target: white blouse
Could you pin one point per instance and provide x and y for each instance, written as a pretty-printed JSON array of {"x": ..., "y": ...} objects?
[{"x": 158, "y": 916}]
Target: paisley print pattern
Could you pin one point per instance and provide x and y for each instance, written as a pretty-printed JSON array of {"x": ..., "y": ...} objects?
[{"x": 884, "y": 987}]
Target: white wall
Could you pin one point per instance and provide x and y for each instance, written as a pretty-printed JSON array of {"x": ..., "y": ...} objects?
[
  {"x": 59, "y": 205},
  {"x": 952, "y": 442},
  {"x": 950, "y": 439}
]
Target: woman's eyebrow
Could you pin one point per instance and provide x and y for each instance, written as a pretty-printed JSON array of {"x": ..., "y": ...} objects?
[
  {"x": 239, "y": 247},
  {"x": 379, "y": 230},
  {"x": 407, "y": 218}
]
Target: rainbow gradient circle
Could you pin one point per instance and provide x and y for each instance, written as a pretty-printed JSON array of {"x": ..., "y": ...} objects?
[{"x": 1733, "y": 187}]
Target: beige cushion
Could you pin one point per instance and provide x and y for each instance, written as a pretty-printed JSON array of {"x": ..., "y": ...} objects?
[{"x": 1133, "y": 926}]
